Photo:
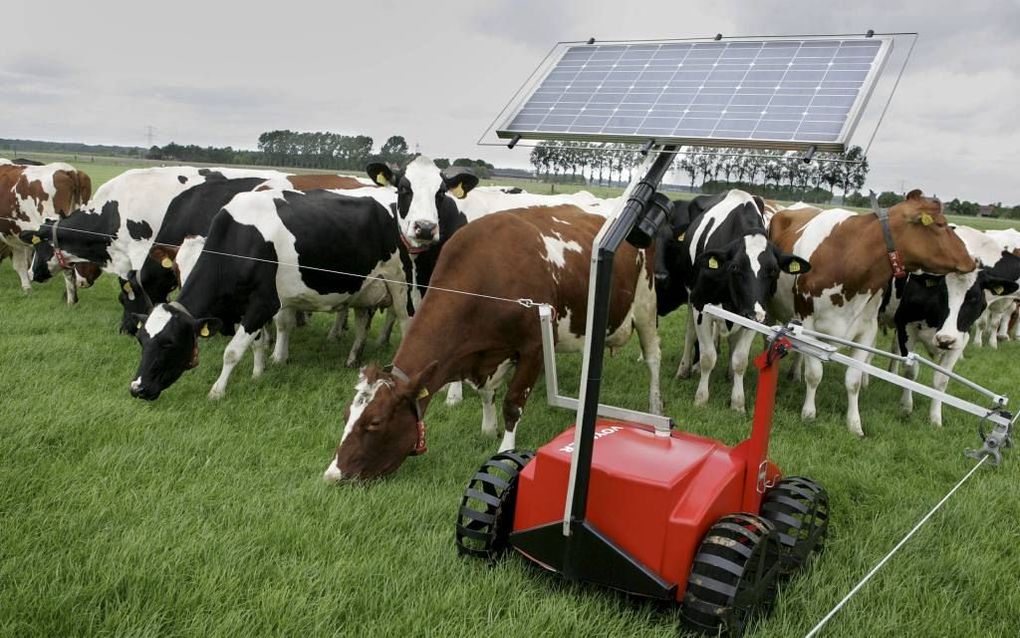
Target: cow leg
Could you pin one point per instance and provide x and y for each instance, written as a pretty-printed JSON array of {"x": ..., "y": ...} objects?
[
  {"x": 258, "y": 345},
  {"x": 362, "y": 319},
  {"x": 651, "y": 351},
  {"x": 490, "y": 426},
  {"x": 387, "y": 329},
  {"x": 853, "y": 386},
  {"x": 740, "y": 349},
  {"x": 1003, "y": 334},
  {"x": 683, "y": 371},
  {"x": 339, "y": 324},
  {"x": 20, "y": 259},
  {"x": 454, "y": 393},
  {"x": 940, "y": 381},
  {"x": 231, "y": 356},
  {"x": 528, "y": 368},
  {"x": 978, "y": 329},
  {"x": 70, "y": 287},
  {"x": 706, "y": 362},
  {"x": 285, "y": 321},
  {"x": 812, "y": 378}
]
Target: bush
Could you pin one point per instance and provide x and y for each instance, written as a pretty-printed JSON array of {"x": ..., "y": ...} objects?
[{"x": 888, "y": 199}]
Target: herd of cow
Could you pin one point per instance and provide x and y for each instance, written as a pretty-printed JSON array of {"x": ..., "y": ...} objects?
[{"x": 247, "y": 247}]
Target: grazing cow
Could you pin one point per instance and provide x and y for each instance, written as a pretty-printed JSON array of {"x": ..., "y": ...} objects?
[
  {"x": 245, "y": 276},
  {"x": 190, "y": 214},
  {"x": 31, "y": 196},
  {"x": 117, "y": 227},
  {"x": 463, "y": 336},
  {"x": 727, "y": 260},
  {"x": 850, "y": 270}
]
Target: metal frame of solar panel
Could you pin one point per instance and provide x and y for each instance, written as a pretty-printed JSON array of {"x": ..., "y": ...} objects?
[{"x": 780, "y": 93}]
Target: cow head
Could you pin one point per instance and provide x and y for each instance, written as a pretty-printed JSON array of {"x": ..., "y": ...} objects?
[
  {"x": 45, "y": 262},
  {"x": 741, "y": 276},
  {"x": 169, "y": 339},
  {"x": 952, "y": 303},
  {"x": 381, "y": 426},
  {"x": 421, "y": 191},
  {"x": 924, "y": 238}
]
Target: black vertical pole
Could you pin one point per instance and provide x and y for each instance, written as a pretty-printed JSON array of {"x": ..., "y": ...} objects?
[{"x": 621, "y": 227}]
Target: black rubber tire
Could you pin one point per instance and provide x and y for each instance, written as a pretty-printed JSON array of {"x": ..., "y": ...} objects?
[
  {"x": 733, "y": 576},
  {"x": 486, "y": 514},
  {"x": 799, "y": 509}
]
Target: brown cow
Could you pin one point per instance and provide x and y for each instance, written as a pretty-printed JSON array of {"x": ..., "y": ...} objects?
[
  {"x": 850, "y": 270},
  {"x": 31, "y": 195},
  {"x": 543, "y": 254}
]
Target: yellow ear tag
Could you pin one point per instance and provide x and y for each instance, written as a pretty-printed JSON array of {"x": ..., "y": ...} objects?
[
  {"x": 35, "y": 239},
  {"x": 458, "y": 192},
  {"x": 139, "y": 326},
  {"x": 381, "y": 180},
  {"x": 681, "y": 236},
  {"x": 424, "y": 393},
  {"x": 204, "y": 331},
  {"x": 794, "y": 266},
  {"x": 167, "y": 263},
  {"x": 927, "y": 219},
  {"x": 713, "y": 263},
  {"x": 127, "y": 288},
  {"x": 998, "y": 290}
]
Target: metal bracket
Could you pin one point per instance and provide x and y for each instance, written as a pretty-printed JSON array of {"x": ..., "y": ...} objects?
[
  {"x": 662, "y": 424},
  {"x": 994, "y": 442}
]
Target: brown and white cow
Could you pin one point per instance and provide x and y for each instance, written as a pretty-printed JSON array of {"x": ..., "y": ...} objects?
[
  {"x": 850, "y": 271},
  {"x": 32, "y": 195},
  {"x": 467, "y": 337}
]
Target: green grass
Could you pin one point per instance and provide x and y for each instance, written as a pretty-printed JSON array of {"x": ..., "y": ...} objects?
[{"x": 187, "y": 517}]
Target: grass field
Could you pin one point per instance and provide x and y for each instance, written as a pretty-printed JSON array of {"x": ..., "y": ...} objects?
[{"x": 186, "y": 517}]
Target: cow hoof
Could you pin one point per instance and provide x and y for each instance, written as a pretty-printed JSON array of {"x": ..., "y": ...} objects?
[
  {"x": 907, "y": 410},
  {"x": 216, "y": 394},
  {"x": 738, "y": 407},
  {"x": 279, "y": 360},
  {"x": 701, "y": 400},
  {"x": 808, "y": 414},
  {"x": 683, "y": 372}
]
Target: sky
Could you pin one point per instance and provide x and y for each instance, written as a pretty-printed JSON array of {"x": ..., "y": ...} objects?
[{"x": 438, "y": 72}]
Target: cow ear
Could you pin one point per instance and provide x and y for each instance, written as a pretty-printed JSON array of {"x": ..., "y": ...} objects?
[
  {"x": 140, "y": 318},
  {"x": 460, "y": 184},
  {"x": 999, "y": 287},
  {"x": 33, "y": 237},
  {"x": 415, "y": 388},
  {"x": 711, "y": 260},
  {"x": 207, "y": 327},
  {"x": 915, "y": 194},
  {"x": 793, "y": 264},
  {"x": 380, "y": 174}
]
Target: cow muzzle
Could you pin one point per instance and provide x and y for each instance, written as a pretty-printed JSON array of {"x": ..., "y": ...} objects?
[
  {"x": 424, "y": 231},
  {"x": 945, "y": 342}
]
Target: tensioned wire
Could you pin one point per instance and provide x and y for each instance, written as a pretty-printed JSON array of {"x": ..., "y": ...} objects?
[{"x": 527, "y": 303}]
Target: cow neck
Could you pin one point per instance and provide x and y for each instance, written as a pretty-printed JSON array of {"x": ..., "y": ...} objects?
[
  {"x": 893, "y": 255},
  {"x": 864, "y": 266}
]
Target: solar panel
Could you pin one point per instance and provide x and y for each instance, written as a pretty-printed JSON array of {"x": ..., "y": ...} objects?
[{"x": 785, "y": 93}]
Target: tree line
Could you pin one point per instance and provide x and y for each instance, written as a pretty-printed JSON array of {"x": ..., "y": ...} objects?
[
  {"x": 297, "y": 149},
  {"x": 776, "y": 174}
]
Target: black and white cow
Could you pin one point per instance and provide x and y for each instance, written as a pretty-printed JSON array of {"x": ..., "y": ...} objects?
[
  {"x": 727, "y": 260},
  {"x": 118, "y": 226},
  {"x": 938, "y": 312},
  {"x": 245, "y": 276}
]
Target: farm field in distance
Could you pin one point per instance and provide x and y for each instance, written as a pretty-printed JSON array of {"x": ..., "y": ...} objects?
[{"x": 191, "y": 517}]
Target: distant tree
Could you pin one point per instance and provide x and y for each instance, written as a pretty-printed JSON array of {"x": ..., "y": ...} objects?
[
  {"x": 442, "y": 162},
  {"x": 395, "y": 149},
  {"x": 888, "y": 199}
]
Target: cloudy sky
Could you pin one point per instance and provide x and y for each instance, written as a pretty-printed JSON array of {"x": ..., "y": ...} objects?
[{"x": 437, "y": 72}]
